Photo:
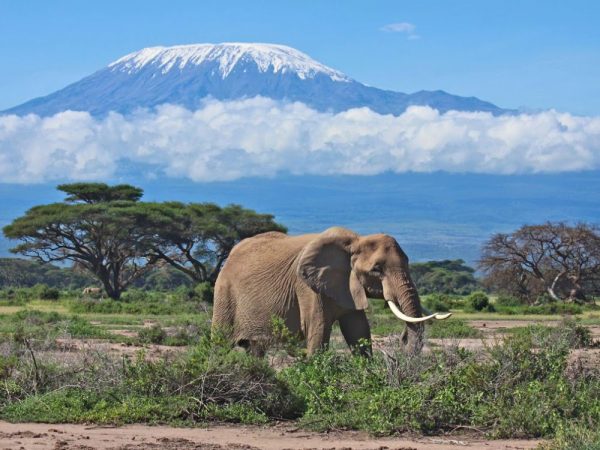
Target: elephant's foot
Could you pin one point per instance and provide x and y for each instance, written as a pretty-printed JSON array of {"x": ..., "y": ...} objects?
[{"x": 254, "y": 347}]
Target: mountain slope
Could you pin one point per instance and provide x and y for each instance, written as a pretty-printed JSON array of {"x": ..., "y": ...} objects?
[{"x": 187, "y": 74}]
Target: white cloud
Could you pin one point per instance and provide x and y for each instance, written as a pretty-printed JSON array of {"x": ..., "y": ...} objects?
[
  {"x": 263, "y": 137},
  {"x": 402, "y": 27}
]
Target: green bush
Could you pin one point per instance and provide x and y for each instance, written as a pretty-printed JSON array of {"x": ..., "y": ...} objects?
[
  {"x": 17, "y": 296},
  {"x": 210, "y": 382},
  {"x": 136, "y": 302},
  {"x": 139, "y": 296},
  {"x": 438, "y": 302},
  {"x": 576, "y": 336},
  {"x": 152, "y": 335},
  {"x": 204, "y": 292},
  {"x": 34, "y": 324},
  {"x": 45, "y": 292},
  {"x": 574, "y": 436},
  {"x": 181, "y": 338},
  {"x": 189, "y": 331},
  {"x": 508, "y": 300},
  {"x": 451, "y": 328},
  {"x": 479, "y": 301},
  {"x": 545, "y": 309},
  {"x": 517, "y": 390}
]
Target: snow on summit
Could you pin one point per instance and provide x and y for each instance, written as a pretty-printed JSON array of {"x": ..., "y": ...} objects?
[{"x": 267, "y": 57}]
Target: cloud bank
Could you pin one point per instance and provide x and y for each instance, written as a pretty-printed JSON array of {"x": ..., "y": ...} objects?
[{"x": 264, "y": 137}]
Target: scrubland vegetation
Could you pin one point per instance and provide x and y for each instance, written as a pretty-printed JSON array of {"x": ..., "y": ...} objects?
[{"x": 525, "y": 383}]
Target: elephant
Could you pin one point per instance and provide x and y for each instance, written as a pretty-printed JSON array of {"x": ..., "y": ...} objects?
[{"x": 311, "y": 281}]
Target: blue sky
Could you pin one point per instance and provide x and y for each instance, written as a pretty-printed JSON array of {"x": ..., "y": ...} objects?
[{"x": 538, "y": 54}]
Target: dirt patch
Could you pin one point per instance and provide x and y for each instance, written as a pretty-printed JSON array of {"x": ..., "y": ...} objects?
[
  {"x": 584, "y": 360},
  {"x": 138, "y": 437},
  {"x": 124, "y": 332},
  {"x": 152, "y": 351},
  {"x": 183, "y": 444},
  {"x": 499, "y": 327}
]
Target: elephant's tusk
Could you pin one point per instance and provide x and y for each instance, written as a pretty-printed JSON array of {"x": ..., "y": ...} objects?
[
  {"x": 400, "y": 315},
  {"x": 438, "y": 316}
]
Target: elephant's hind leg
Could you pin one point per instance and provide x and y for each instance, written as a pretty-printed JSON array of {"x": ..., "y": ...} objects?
[
  {"x": 357, "y": 332},
  {"x": 223, "y": 313}
]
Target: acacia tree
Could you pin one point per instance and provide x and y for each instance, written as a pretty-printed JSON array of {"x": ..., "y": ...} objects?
[
  {"x": 563, "y": 259},
  {"x": 97, "y": 227},
  {"x": 196, "y": 238}
]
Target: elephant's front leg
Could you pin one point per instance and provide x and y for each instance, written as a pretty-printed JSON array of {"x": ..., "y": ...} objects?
[
  {"x": 317, "y": 323},
  {"x": 357, "y": 332},
  {"x": 317, "y": 339}
]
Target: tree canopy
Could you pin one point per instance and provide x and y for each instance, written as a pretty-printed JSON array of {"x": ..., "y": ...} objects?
[
  {"x": 110, "y": 233},
  {"x": 561, "y": 260},
  {"x": 197, "y": 238},
  {"x": 100, "y": 192},
  {"x": 102, "y": 237},
  {"x": 444, "y": 277},
  {"x": 17, "y": 272}
]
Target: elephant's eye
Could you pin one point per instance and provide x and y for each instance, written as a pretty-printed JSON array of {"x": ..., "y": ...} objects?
[{"x": 376, "y": 270}]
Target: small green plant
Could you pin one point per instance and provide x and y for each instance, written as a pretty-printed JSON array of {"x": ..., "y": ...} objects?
[
  {"x": 283, "y": 338},
  {"x": 152, "y": 335},
  {"x": 574, "y": 436}
]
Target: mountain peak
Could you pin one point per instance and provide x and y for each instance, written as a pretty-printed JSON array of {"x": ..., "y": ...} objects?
[
  {"x": 267, "y": 57},
  {"x": 186, "y": 75}
]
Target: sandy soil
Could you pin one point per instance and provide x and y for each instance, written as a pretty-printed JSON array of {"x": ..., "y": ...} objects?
[
  {"x": 139, "y": 437},
  {"x": 152, "y": 351}
]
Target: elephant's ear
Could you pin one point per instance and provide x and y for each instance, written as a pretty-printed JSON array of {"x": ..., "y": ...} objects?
[{"x": 325, "y": 266}]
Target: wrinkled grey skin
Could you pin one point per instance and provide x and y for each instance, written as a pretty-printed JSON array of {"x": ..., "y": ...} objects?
[{"x": 311, "y": 281}]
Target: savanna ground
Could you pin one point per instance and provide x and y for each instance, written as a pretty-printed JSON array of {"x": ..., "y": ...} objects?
[{"x": 143, "y": 373}]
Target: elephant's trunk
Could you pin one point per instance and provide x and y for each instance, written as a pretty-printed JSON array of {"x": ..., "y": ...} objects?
[{"x": 402, "y": 296}]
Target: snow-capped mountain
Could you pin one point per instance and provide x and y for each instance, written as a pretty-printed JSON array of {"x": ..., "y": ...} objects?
[
  {"x": 275, "y": 58},
  {"x": 186, "y": 74}
]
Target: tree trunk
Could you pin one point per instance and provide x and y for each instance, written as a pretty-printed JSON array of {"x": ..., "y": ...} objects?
[
  {"x": 576, "y": 295},
  {"x": 112, "y": 292}
]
